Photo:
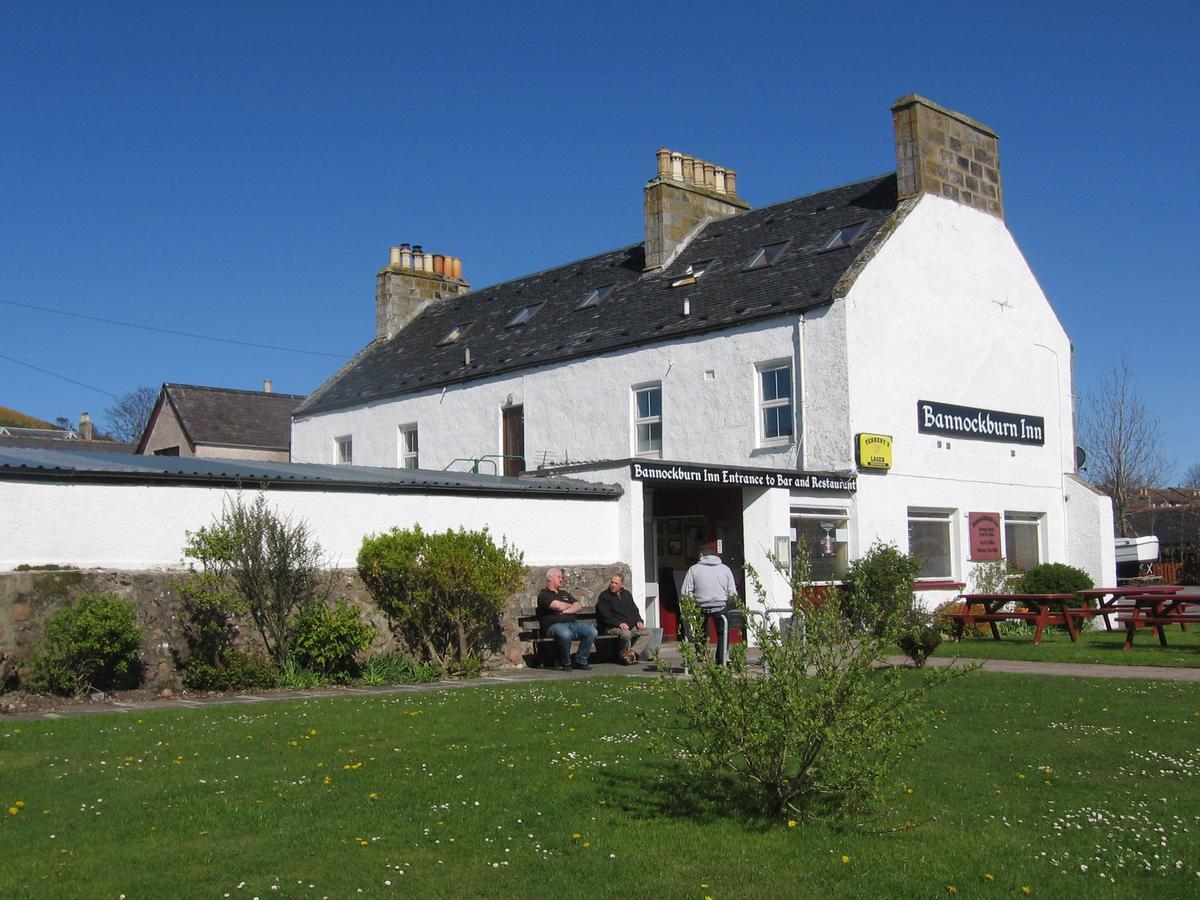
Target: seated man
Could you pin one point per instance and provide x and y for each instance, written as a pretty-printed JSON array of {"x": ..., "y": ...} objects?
[
  {"x": 618, "y": 615},
  {"x": 556, "y": 611}
]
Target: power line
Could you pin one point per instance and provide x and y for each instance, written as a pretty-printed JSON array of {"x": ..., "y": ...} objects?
[
  {"x": 189, "y": 334},
  {"x": 90, "y": 387}
]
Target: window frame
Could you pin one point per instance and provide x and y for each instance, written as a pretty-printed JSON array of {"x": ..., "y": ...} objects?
[
  {"x": 840, "y": 551},
  {"x": 764, "y": 405},
  {"x": 766, "y": 255},
  {"x": 933, "y": 515},
  {"x": 403, "y": 453},
  {"x": 839, "y": 238},
  {"x": 343, "y": 450},
  {"x": 524, "y": 314},
  {"x": 1018, "y": 519},
  {"x": 597, "y": 296},
  {"x": 648, "y": 421}
]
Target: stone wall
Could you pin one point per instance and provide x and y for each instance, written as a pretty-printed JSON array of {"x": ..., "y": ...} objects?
[{"x": 28, "y": 599}]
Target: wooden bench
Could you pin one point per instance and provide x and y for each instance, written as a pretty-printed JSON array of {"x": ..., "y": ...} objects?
[
  {"x": 1040, "y": 615},
  {"x": 1156, "y": 612},
  {"x": 545, "y": 649}
]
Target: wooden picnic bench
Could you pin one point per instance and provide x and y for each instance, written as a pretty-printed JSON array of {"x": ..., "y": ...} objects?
[
  {"x": 545, "y": 649},
  {"x": 1038, "y": 609},
  {"x": 1109, "y": 603},
  {"x": 1157, "y": 610}
]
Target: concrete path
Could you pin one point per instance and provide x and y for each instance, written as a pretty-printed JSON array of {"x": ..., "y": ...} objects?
[{"x": 523, "y": 676}]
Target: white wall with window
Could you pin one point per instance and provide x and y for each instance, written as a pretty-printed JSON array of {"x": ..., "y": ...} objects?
[
  {"x": 647, "y": 420},
  {"x": 343, "y": 449},
  {"x": 408, "y": 456},
  {"x": 824, "y": 535},
  {"x": 931, "y": 539}
]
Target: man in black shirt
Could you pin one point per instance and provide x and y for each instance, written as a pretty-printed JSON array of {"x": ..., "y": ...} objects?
[
  {"x": 556, "y": 612},
  {"x": 619, "y": 616}
]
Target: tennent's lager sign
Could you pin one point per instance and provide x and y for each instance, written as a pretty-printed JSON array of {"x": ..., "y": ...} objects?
[{"x": 874, "y": 451}]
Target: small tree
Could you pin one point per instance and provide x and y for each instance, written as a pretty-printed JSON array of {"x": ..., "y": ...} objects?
[
  {"x": 257, "y": 561},
  {"x": 443, "y": 593},
  {"x": 126, "y": 419},
  {"x": 877, "y": 589},
  {"x": 90, "y": 645},
  {"x": 1191, "y": 477},
  {"x": 817, "y": 731}
]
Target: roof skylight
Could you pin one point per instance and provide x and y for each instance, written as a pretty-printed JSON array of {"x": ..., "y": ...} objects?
[
  {"x": 455, "y": 333},
  {"x": 845, "y": 236},
  {"x": 524, "y": 314},
  {"x": 596, "y": 297},
  {"x": 766, "y": 255}
]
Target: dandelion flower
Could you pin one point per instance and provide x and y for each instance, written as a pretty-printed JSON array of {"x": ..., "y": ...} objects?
[
  {"x": 845, "y": 860},
  {"x": 12, "y": 810},
  {"x": 1026, "y": 889},
  {"x": 791, "y": 823},
  {"x": 951, "y": 889},
  {"x": 989, "y": 877},
  {"x": 20, "y": 804}
]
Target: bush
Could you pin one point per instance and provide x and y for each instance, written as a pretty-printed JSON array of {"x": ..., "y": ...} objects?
[
  {"x": 919, "y": 635},
  {"x": 254, "y": 560},
  {"x": 443, "y": 593},
  {"x": 326, "y": 640},
  {"x": 995, "y": 577},
  {"x": 1054, "y": 578},
  {"x": 814, "y": 734},
  {"x": 396, "y": 668},
  {"x": 91, "y": 645},
  {"x": 234, "y": 671},
  {"x": 877, "y": 590}
]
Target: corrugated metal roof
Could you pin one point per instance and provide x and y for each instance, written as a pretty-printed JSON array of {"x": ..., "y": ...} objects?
[{"x": 79, "y": 466}]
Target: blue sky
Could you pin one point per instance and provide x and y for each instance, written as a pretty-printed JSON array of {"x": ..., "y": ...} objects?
[{"x": 239, "y": 170}]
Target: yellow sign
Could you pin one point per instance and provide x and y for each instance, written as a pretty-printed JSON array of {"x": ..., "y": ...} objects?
[{"x": 874, "y": 451}]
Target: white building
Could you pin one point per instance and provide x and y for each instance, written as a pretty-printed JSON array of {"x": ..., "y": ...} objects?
[{"x": 872, "y": 362}]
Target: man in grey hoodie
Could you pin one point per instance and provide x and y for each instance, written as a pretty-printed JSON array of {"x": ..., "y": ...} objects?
[{"x": 711, "y": 582}]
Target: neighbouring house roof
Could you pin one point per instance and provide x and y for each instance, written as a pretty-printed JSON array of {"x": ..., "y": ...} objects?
[
  {"x": 57, "y": 439},
  {"x": 60, "y": 466},
  {"x": 643, "y": 308},
  {"x": 1157, "y": 498},
  {"x": 225, "y": 417}
]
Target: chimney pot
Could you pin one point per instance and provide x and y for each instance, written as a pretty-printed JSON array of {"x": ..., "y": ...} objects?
[
  {"x": 406, "y": 257},
  {"x": 394, "y": 257},
  {"x": 677, "y": 166},
  {"x": 86, "y": 431},
  {"x": 664, "y": 163},
  {"x": 439, "y": 264},
  {"x": 710, "y": 176},
  {"x": 720, "y": 175},
  {"x": 266, "y": 385},
  {"x": 458, "y": 268},
  {"x": 689, "y": 170}
]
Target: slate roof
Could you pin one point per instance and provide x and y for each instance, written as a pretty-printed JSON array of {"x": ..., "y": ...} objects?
[
  {"x": 114, "y": 467},
  {"x": 67, "y": 446},
  {"x": 642, "y": 309},
  {"x": 230, "y": 418}
]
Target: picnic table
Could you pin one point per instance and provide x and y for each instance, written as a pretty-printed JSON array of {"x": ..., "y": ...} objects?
[
  {"x": 1108, "y": 601},
  {"x": 1040, "y": 609},
  {"x": 1156, "y": 610}
]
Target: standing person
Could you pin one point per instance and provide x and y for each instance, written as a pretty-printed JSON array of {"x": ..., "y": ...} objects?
[
  {"x": 711, "y": 582},
  {"x": 618, "y": 616},
  {"x": 556, "y": 612}
]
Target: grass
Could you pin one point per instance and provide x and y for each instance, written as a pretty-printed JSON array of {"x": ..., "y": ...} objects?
[
  {"x": 1067, "y": 787},
  {"x": 1094, "y": 646}
]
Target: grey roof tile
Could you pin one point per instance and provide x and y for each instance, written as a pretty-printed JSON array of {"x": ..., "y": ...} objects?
[
  {"x": 234, "y": 418},
  {"x": 642, "y": 309}
]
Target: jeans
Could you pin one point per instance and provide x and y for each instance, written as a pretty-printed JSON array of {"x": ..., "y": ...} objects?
[{"x": 565, "y": 632}]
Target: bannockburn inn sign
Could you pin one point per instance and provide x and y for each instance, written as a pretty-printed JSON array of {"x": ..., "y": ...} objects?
[
  {"x": 982, "y": 424},
  {"x": 683, "y": 473}
]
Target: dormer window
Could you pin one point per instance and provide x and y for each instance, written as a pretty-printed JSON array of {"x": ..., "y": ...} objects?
[
  {"x": 845, "y": 236},
  {"x": 455, "y": 333},
  {"x": 693, "y": 272},
  {"x": 766, "y": 255},
  {"x": 596, "y": 297},
  {"x": 524, "y": 314}
]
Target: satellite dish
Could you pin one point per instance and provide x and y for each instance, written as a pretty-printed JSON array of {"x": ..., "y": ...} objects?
[{"x": 1080, "y": 458}]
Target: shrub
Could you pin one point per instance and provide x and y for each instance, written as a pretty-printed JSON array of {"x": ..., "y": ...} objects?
[
  {"x": 396, "y": 668},
  {"x": 919, "y": 635},
  {"x": 91, "y": 645},
  {"x": 817, "y": 731},
  {"x": 1054, "y": 578},
  {"x": 257, "y": 561},
  {"x": 326, "y": 640},
  {"x": 877, "y": 590},
  {"x": 995, "y": 577},
  {"x": 443, "y": 593},
  {"x": 236, "y": 670},
  {"x": 298, "y": 678}
]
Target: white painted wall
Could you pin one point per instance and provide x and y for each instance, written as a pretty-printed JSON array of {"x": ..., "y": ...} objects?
[{"x": 144, "y": 526}]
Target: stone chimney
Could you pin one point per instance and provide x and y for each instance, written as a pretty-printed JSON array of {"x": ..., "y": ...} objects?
[
  {"x": 686, "y": 193},
  {"x": 410, "y": 281},
  {"x": 86, "y": 432},
  {"x": 941, "y": 152}
]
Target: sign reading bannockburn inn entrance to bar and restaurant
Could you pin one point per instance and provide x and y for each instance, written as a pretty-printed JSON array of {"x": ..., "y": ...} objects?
[
  {"x": 684, "y": 473},
  {"x": 984, "y": 424}
]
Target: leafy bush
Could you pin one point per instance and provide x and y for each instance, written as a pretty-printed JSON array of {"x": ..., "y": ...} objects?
[
  {"x": 396, "y": 668},
  {"x": 235, "y": 671},
  {"x": 919, "y": 635},
  {"x": 877, "y": 590},
  {"x": 326, "y": 640},
  {"x": 443, "y": 593},
  {"x": 995, "y": 577},
  {"x": 1054, "y": 578},
  {"x": 255, "y": 560},
  {"x": 296, "y": 677},
  {"x": 91, "y": 645},
  {"x": 816, "y": 732}
]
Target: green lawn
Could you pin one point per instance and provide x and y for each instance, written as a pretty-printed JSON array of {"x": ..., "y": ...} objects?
[
  {"x": 1067, "y": 787},
  {"x": 1094, "y": 646}
]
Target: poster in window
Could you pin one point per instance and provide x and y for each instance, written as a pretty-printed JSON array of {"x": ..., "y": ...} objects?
[{"x": 985, "y": 535}]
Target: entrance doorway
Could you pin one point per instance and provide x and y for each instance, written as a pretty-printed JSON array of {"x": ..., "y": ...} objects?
[
  {"x": 514, "y": 440},
  {"x": 682, "y": 519}
]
